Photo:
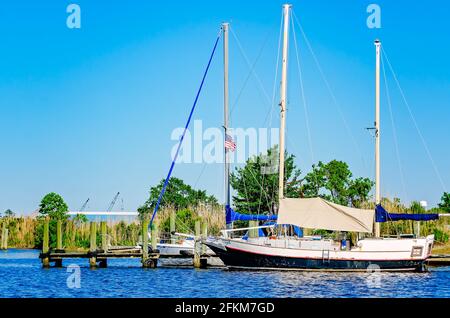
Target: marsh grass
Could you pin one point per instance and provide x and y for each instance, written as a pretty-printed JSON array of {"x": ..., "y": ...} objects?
[{"x": 26, "y": 232}]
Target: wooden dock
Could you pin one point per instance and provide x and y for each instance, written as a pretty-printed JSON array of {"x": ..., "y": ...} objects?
[
  {"x": 98, "y": 256},
  {"x": 439, "y": 260}
]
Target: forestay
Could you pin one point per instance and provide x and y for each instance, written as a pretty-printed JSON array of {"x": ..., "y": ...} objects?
[{"x": 317, "y": 213}]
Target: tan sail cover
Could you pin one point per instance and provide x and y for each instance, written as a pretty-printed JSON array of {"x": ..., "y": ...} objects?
[{"x": 317, "y": 213}]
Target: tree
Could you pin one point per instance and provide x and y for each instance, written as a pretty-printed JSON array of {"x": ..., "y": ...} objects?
[
  {"x": 445, "y": 202},
  {"x": 256, "y": 183},
  {"x": 358, "y": 191},
  {"x": 80, "y": 219},
  {"x": 178, "y": 195},
  {"x": 53, "y": 206},
  {"x": 8, "y": 214},
  {"x": 333, "y": 181}
]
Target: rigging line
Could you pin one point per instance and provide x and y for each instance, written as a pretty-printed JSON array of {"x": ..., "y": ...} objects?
[
  {"x": 261, "y": 187},
  {"x": 250, "y": 73},
  {"x": 248, "y": 63},
  {"x": 327, "y": 84},
  {"x": 185, "y": 130},
  {"x": 305, "y": 105},
  {"x": 424, "y": 143},
  {"x": 394, "y": 131},
  {"x": 273, "y": 105},
  {"x": 274, "y": 89},
  {"x": 200, "y": 175},
  {"x": 251, "y": 70}
]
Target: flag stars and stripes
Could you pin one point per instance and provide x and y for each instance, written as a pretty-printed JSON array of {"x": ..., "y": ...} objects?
[{"x": 229, "y": 143}]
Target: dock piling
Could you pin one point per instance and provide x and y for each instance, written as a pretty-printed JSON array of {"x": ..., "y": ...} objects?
[
  {"x": 59, "y": 246},
  {"x": 198, "y": 262},
  {"x": 145, "y": 243},
  {"x": 154, "y": 234},
  {"x": 46, "y": 244},
  {"x": 204, "y": 236},
  {"x": 172, "y": 226},
  {"x": 59, "y": 235},
  {"x": 4, "y": 242},
  {"x": 93, "y": 245},
  {"x": 104, "y": 231}
]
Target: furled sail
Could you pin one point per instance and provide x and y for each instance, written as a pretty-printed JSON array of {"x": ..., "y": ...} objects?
[
  {"x": 317, "y": 213},
  {"x": 381, "y": 216},
  {"x": 232, "y": 216}
]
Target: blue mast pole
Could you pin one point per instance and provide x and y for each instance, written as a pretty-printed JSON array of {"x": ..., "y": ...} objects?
[{"x": 166, "y": 182}]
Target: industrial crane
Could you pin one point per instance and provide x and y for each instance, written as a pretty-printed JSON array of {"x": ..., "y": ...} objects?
[
  {"x": 83, "y": 207},
  {"x": 113, "y": 202}
]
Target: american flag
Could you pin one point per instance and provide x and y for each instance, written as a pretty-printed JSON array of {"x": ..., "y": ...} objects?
[{"x": 229, "y": 143}]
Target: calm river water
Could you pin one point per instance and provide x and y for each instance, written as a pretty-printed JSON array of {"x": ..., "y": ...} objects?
[{"x": 22, "y": 276}]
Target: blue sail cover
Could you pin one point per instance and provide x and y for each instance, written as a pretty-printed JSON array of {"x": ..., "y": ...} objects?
[
  {"x": 381, "y": 216},
  {"x": 232, "y": 216}
]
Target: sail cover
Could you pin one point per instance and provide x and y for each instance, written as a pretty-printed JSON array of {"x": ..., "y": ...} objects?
[
  {"x": 383, "y": 216},
  {"x": 232, "y": 216},
  {"x": 317, "y": 213}
]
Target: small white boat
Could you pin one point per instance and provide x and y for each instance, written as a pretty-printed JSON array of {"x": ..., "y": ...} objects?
[{"x": 179, "y": 248}]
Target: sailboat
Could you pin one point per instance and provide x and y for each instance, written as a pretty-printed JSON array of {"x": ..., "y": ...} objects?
[{"x": 290, "y": 252}]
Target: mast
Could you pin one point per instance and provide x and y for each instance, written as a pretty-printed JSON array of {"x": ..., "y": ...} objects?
[
  {"x": 377, "y": 133},
  {"x": 225, "y": 27},
  {"x": 283, "y": 94}
]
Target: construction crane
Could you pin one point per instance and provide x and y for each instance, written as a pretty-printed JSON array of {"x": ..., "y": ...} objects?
[
  {"x": 83, "y": 207},
  {"x": 113, "y": 202}
]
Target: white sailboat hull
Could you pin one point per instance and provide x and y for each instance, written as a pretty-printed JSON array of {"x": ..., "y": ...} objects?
[{"x": 292, "y": 254}]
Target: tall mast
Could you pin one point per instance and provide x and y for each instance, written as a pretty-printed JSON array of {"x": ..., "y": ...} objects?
[
  {"x": 377, "y": 132},
  {"x": 286, "y": 11},
  {"x": 225, "y": 27}
]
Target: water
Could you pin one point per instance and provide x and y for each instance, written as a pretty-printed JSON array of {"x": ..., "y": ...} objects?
[{"x": 21, "y": 275}]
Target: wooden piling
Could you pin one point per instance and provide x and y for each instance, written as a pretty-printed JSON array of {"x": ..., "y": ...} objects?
[
  {"x": 4, "y": 241},
  {"x": 104, "y": 231},
  {"x": 204, "y": 236},
  {"x": 154, "y": 235},
  {"x": 3, "y": 235},
  {"x": 46, "y": 244},
  {"x": 197, "y": 245},
  {"x": 59, "y": 235},
  {"x": 172, "y": 226},
  {"x": 144, "y": 243},
  {"x": 93, "y": 245},
  {"x": 59, "y": 246}
]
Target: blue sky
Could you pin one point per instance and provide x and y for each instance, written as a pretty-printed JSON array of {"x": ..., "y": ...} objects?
[{"x": 89, "y": 112}]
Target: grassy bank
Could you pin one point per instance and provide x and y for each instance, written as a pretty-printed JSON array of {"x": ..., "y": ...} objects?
[{"x": 26, "y": 232}]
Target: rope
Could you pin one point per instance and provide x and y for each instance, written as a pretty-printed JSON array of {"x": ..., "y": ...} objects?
[
  {"x": 394, "y": 131},
  {"x": 250, "y": 66},
  {"x": 305, "y": 106},
  {"x": 270, "y": 114},
  {"x": 327, "y": 84},
  {"x": 430, "y": 157},
  {"x": 163, "y": 190}
]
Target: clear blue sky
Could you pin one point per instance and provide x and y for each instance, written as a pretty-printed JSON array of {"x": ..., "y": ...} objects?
[{"x": 89, "y": 112}]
